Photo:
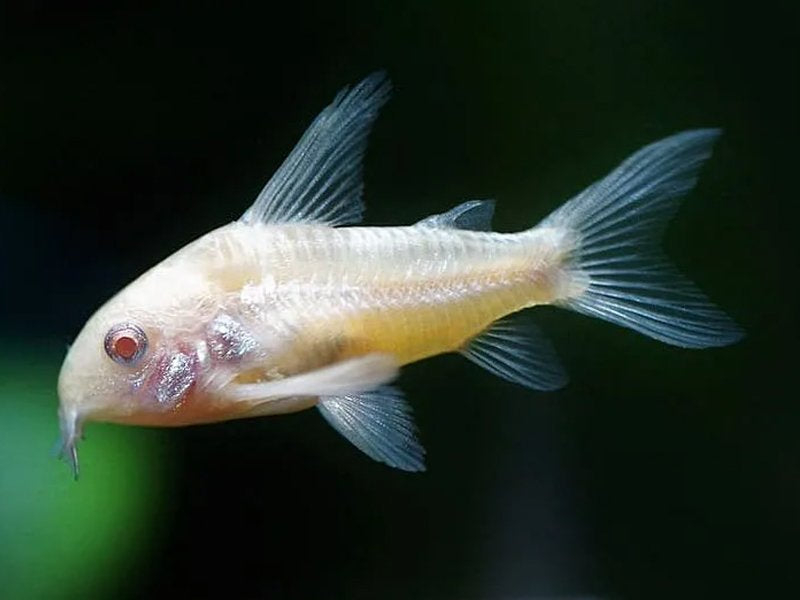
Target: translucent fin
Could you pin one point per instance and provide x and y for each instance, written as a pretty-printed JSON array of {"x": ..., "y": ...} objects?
[
  {"x": 380, "y": 424},
  {"x": 347, "y": 377},
  {"x": 617, "y": 224},
  {"x": 514, "y": 349},
  {"x": 320, "y": 181},
  {"x": 475, "y": 215}
]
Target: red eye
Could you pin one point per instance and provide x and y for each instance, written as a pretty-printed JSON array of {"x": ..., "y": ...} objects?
[{"x": 125, "y": 343}]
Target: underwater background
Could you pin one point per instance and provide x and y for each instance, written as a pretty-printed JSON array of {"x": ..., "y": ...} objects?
[{"x": 128, "y": 129}]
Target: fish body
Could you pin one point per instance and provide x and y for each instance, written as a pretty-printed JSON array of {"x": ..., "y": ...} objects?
[
  {"x": 250, "y": 303},
  {"x": 285, "y": 309}
]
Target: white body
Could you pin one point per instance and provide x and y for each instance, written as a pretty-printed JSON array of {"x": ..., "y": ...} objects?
[{"x": 284, "y": 310}]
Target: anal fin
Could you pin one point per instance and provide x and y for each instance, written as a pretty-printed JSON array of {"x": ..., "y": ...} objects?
[
  {"x": 379, "y": 423},
  {"x": 513, "y": 348}
]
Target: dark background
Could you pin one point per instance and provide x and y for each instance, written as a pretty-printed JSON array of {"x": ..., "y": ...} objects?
[{"x": 128, "y": 130}]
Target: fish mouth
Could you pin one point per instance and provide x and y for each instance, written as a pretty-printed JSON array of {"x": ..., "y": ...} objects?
[{"x": 70, "y": 436}]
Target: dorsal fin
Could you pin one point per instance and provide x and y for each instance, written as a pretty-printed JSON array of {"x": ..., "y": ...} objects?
[
  {"x": 513, "y": 348},
  {"x": 320, "y": 180},
  {"x": 475, "y": 214}
]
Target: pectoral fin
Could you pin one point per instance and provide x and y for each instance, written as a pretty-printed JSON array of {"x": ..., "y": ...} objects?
[
  {"x": 350, "y": 376},
  {"x": 379, "y": 423}
]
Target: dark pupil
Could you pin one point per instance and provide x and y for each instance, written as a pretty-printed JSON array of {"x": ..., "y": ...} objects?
[{"x": 126, "y": 346}]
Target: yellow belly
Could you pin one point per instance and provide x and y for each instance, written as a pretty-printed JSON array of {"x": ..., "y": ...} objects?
[{"x": 438, "y": 320}]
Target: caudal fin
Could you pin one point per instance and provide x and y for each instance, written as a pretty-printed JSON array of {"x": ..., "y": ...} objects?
[{"x": 617, "y": 224}]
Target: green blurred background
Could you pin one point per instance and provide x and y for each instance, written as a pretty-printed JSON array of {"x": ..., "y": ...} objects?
[{"x": 126, "y": 130}]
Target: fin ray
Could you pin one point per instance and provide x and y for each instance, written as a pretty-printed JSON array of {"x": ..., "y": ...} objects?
[
  {"x": 514, "y": 349},
  {"x": 618, "y": 222},
  {"x": 379, "y": 423},
  {"x": 320, "y": 181}
]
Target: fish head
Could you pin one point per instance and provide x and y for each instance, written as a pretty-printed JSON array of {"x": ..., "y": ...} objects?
[{"x": 137, "y": 359}]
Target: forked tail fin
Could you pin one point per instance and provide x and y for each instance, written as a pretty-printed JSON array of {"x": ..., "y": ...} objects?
[{"x": 617, "y": 224}]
